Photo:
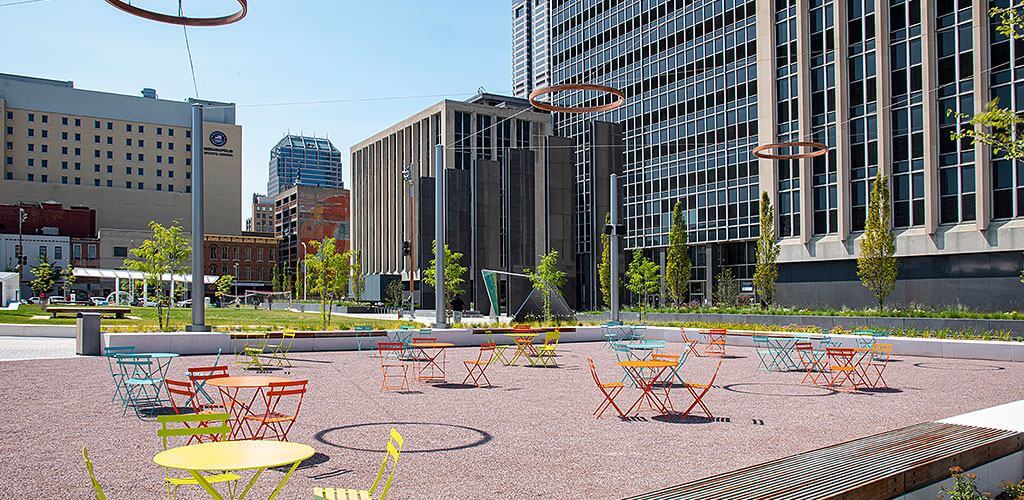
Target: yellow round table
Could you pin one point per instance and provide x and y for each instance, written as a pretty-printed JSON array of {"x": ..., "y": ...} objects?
[{"x": 235, "y": 456}]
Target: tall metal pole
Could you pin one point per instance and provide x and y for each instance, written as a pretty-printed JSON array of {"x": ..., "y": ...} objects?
[
  {"x": 21, "y": 248},
  {"x": 613, "y": 209},
  {"x": 198, "y": 284},
  {"x": 439, "y": 306}
]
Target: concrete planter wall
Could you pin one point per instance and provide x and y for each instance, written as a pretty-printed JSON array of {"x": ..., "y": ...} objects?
[
  {"x": 315, "y": 308},
  {"x": 826, "y": 323},
  {"x": 53, "y": 331}
]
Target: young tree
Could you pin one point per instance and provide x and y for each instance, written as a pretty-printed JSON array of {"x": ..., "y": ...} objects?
[
  {"x": 45, "y": 277},
  {"x": 677, "y": 265},
  {"x": 453, "y": 276},
  {"x": 323, "y": 268},
  {"x": 642, "y": 279},
  {"x": 877, "y": 265},
  {"x": 276, "y": 278},
  {"x": 727, "y": 289},
  {"x": 547, "y": 279},
  {"x": 167, "y": 252},
  {"x": 604, "y": 269},
  {"x": 766, "y": 272},
  {"x": 393, "y": 294},
  {"x": 355, "y": 273},
  {"x": 223, "y": 285},
  {"x": 68, "y": 279}
]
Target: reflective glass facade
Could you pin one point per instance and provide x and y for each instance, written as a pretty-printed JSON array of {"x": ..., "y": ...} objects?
[{"x": 307, "y": 161}]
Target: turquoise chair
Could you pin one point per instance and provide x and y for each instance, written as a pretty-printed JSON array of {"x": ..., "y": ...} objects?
[
  {"x": 142, "y": 383},
  {"x": 115, "y": 371},
  {"x": 359, "y": 340}
]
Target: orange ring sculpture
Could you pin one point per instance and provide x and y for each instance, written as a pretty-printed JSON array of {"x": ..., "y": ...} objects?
[
  {"x": 182, "y": 20},
  {"x": 577, "y": 86},
  {"x": 818, "y": 149}
]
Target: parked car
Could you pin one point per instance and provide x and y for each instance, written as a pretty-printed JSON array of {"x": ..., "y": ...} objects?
[
  {"x": 184, "y": 303},
  {"x": 32, "y": 300},
  {"x": 56, "y": 299},
  {"x": 99, "y": 301},
  {"x": 145, "y": 302}
]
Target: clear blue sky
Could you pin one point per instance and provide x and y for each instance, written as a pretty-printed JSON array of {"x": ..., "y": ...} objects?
[{"x": 283, "y": 51}]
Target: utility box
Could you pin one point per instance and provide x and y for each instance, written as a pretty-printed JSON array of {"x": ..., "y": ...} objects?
[{"x": 87, "y": 334}]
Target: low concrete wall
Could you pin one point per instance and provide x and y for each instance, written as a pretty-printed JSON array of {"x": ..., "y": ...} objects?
[
  {"x": 827, "y": 323},
  {"x": 311, "y": 308},
  {"x": 53, "y": 331}
]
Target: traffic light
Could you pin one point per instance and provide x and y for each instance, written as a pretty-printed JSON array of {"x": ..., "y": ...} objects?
[{"x": 406, "y": 248}]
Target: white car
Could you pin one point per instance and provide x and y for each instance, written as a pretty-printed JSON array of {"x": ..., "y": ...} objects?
[{"x": 99, "y": 301}]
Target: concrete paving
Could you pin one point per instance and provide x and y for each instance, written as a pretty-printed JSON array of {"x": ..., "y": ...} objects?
[{"x": 24, "y": 348}]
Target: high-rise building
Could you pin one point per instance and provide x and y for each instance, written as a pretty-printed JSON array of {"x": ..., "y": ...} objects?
[
  {"x": 707, "y": 81},
  {"x": 531, "y": 47},
  {"x": 127, "y": 157},
  {"x": 309, "y": 213},
  {"x": 305, "y": 161},
  {"x": 262, "y": 220}
]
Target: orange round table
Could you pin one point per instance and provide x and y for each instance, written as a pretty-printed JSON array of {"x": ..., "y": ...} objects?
[
  {"x": 230, "y": 387},
  {"x": 429, "y": 352},
  {"x": 635, "y": 370}
]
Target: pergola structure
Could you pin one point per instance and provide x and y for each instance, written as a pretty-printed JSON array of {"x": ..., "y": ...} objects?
[{"x": 132, "y": 276}]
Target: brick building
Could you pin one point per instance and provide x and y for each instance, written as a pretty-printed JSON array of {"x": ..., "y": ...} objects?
[
  {"x": 309, "y": 213},
  {"x": 250, "y": 258}
]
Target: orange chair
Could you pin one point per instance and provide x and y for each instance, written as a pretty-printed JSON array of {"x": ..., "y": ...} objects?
[
  {"x": 199, "y": 376},
  {"x": 716, "y": 347},
  {"x": 610, "y": 390},
  {"x": 844, "y": 369},
  {"x": 279, "y": 417},
  {"x": 810, "y": 362},
  {"x": 476, "y": 367},
  {"x": 879, "y": 359},
  {"x": 391, "y": 355},
  {"x": 691, "y": 344},
  {"x": 698, "y": 399}
]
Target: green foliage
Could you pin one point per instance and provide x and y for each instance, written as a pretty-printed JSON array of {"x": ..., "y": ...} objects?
[
  {"x": 393, "y": 294},
  {"x": 45, "y": 277},
  {"x": 454, "y": 275},
  {"x": 877, "y": 267},
  {"x": 604, "y": 269},
  {"x": 1011, "y": 20},
  {"x": 355, "y": 273},
  {"x": 68, "y": 278},
  {"x": 326, "y": 275},
  {"x": 642, "y": 279},
  {"x": 547, "y": 279},
  {"x": 766, "y": 273},
  {"x": 167, "y": 252},
  {"x": 1012, "y": 491},
  {"x": 995, "y": 127},
  {"x": 677, "y": 262},
  {"x": 727, "y": 288},
  {"x": 223, "y": 286},
  {"x": 963, "y": 486},
  {"x": 277, "y": 282}
]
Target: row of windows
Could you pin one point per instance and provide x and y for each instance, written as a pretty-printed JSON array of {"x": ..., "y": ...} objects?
[
  {"x": 235, "y": 252},
  {"x": 97, "y": 124}
]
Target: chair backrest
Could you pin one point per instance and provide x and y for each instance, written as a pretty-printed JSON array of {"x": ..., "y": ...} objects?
[
  {"x": 486, "y": 353},
  {"x": 845, "y": 354},
  {"x": 714, "y": 375},
  {"x": 183, "y": 389},
  {"x": 395, "y": 445},
  {"x": 121, "y": 349},
  {"x": 881, "y": 352},
  {"x": 198, "y": 426},
  {"x": 135, "y": 365},
  {"x": 419, "y": 340},
  {"x": 390, "y": 349},
  {"x": 362, "y": 328},
  {"x": 665, "y": 357},
  {"x": 593, "y": 372},
  {"x": 204, "y": 373},
  {"x": 803, "y": 346},
  {"x": 96, "y": 488},
  {"x": 621, "y": 350},
  {"x": 406, "y": 327},
  {"x": 686, "y": 339},
  {"x": 613, "y": 323},
  {"x": 552, "y": 338},
  {"x": 718, "y": 331},
  {"x": 826, "y": 341},
  {"x": 279, "y": 392},
  {"x": 522, "y": 328}
]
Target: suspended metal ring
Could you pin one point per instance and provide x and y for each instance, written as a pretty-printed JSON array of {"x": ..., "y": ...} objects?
[
  {"x": 817, "y": 149},
  {"x": 182, "y": 20},
  {"x": 618, "y": 102}
]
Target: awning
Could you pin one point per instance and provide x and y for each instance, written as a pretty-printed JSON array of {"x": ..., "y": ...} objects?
[{"x": 124, "y": 274}]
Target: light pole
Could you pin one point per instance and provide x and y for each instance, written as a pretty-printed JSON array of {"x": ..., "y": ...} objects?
[
  {"x": 22, "y": 217},
  {"x": 407, "y": 176},
  {"x": 613, "y": 215},
  {"x": 236, "y": 280},
  {"x": 304, "y": 253},
  {"x": 198, "y": 281},
  {"x": 440, "y": 321}
]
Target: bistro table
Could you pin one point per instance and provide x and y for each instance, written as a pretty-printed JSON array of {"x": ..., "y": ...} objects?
[
  {"x": 524, "y": 345},
  {"x": 784, "y": 348},
  {"x": 235, "y": 456},
  {"x": 162, "y": 360},
  {"x": 239, "y": 408},
  {"x": 635, "y": 370},
  {"x": 428, "y": 354},
  {"x": 640, "y": 351},
  {"x": 850, "y": 363}
]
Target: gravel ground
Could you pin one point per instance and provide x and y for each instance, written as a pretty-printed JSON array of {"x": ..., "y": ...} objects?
[{"x": 532, "y": 435}]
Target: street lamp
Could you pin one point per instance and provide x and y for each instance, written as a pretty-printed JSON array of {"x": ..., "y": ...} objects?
[
  {"x": 22, "y": 217},
  {"x": 408, "y": 177},
  {"x": 236, "y": 281},
  {"x": 303, "y": 243}
]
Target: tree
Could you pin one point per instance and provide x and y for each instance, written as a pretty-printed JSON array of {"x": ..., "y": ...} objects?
[
  {"x": 45, "y": 277},
  {"x": 325, "y": 272},
  {"x": 547, "y": 278},
  {"x": 453, "y": 275},
  {"x": 393, "y": 294},
  {"x": 604, "y": 269},
  {"x": 223, "y": 285},
  {"x": 877, "y": 267},
  {"x": 677, "y": 262},
  {"x": 727, "y": 289},
  {"x": 642, "y": 278},
  {"x": 278, "y": 283},
  {"x": 167, "y": 252},
  {"x": 355, "y": 273},
  {"x": 766, "y": 272},
  {"x": 68, "y": 279}
]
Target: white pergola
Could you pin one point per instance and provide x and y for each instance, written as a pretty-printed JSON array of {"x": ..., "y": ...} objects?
[{"x": 123, "y": 274}]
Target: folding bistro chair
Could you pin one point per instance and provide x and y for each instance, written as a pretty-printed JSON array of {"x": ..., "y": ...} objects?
[
  {"x": 96, "y": 488},
  {"x": 115, "y": 370},
  {"x": 391, "y": 356},
  {"x": 200, "y": 375},
  {"x": 279, "y": 418},
  {"x": 842, "y": 366},
  {"x": 698, "y": 398},
  {"x": 810, "y": 361},
  {"x": 279, "y": 351},
  {"x": 201, "y": 428},
  {"x": 142, "y": 383},
  {"x": 366, "y": 331},
  {"x": 184, "y": 390},
  {"x": 691, "y": 344},
  {"x": 547, "y": 351},
  {"x": 395, "y": 445},
  {"x": 716, "y": 347},
  {"x": 770, "y": 355},
  {"x": 623, "y": 353},
  {"x": 610, "y": 390},
  {"x": 253, "y": 354},
  {"x": 499, "y": 349},
  {"x": 880, "y": 354},
  {"x": 476, "y": 367},
  {"x": 251, "y": 345}
]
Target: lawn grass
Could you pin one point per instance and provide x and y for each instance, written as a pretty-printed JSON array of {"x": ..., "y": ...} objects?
[{"x": 226, "y": 319}]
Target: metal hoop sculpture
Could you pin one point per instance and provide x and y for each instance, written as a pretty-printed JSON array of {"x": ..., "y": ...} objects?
[
  {"x": 817, "y": 149},
  {"x": 182, "y": 20},
  {"x": 621, "y": 98}
]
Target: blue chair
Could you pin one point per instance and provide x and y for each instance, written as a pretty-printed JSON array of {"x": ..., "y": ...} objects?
[
  {"x": 637, "y": 333},
  {"x": 359, "y": 339},
  {"x": 611, "y": 333},
  {"x": 764, "y": 352},
  {"x": 115, "y": 371},
  {"x": 142, "y": 383},
  {"x": 623, "y": 353}
]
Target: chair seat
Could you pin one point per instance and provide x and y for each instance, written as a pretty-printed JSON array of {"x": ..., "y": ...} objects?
[
  {"x": 837, "y": 368},
  {"x": 547, "y": 348},
  {"x": 393, "y": 365},
  {"x": 340, "y": 494},
  {"x": 213, "y": 478},
  {"x": 695, "y": 386},
  {"x": 612, "y": 385},
  {"x": 477, "y": 363},
  {"x": 143, "y": 381},
  {"x": 273, "y": 417}
]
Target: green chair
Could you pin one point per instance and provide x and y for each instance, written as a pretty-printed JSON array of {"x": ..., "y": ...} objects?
[
  {"x": 395, "y": 444},
  {"x": 279, "y": 351},
  {"x": 96, "y": 488},
  {"x": 196, "y": 426},
  {"x": 546, "y": 352}
]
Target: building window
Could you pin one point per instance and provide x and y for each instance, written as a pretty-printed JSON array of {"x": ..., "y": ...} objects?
[
  {"x": 787, "y": 116},
  {"x": 76, "y": 249},
  {"x": 213, "y": 251},
  {"x": 907, "y": 118},
  {"x": 463, "y": 144},
  {"x": 120, "y": 251},
  {"x": 224, "y": 253},
  {"x": 42, "y": 252},
  {"x": 58, "y": 252},
  {"x": 954, "y": 42},
  {"x": 91, "y": 249}
]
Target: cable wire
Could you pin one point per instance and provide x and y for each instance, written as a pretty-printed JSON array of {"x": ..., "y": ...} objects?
[{"x": 188, "y": 48}]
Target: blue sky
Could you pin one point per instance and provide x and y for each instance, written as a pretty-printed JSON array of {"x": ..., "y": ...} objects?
[{"x": 283, "y": 51}]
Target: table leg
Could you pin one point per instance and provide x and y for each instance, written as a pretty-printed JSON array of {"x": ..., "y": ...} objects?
[
  {"x": 206, "y": 485},
  {"x": 251, "y": 482},
  {"x": 284, "y": 480}
]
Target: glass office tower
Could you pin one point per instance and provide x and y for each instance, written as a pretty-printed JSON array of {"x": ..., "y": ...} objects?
[{"x": 307, "y": 161}]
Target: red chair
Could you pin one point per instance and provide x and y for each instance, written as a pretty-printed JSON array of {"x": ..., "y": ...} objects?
[
  {"x": 476, "y": 367},
  {"x": 843, "y": 367},
  {"x": 391, "y": 355},
  {"x": 610, "y": 390},
  {"x": 698, "y": 399},
  {"x": 810, "y": 362},
  {"x": 183, "y": 389},
  {"x": 199, "y": 376},
  {"x": 280, "y": 417}
]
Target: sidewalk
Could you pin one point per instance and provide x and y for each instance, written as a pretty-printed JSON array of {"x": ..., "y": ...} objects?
[{"x": 18, "y": 348}]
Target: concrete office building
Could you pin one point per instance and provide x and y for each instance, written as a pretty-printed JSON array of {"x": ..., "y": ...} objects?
[
  {"x": 509, "y": 186},
  {"x": 262, "y": 220},
  {"x": 708, "y": 81},
  {"x": 304, "y": 161},
  {"x": 127, "y": 157},
  {"x": 531, "y": 46}
]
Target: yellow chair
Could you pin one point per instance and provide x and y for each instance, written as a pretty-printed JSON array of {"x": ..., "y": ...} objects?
[
  {"x": 279, "y": 351},
  {"x": 546, "y": 352},
  {"x": 395, "y": 444},
  {"x": 207, "y": 427},
  {"x": 96, "y": 488}
]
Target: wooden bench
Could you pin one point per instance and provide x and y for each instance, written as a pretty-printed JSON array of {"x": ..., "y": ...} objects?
[
  {"x": 118, "y": 312},
  {"x": 884, "y": 465}
]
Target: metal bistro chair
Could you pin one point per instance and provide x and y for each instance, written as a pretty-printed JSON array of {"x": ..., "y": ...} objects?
[
  {"x": 279, "y": 350},
  {"x": 142, "y": 383},
  {"x": 364, "y": 333},
  {"x": 378, "y": 489},
  {"x": 115, "y": 370},
  {"x": 207, "y": 427}
]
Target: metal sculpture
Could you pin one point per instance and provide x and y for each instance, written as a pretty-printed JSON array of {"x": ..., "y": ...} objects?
[
  {"x": 182, "y": 20},
  {"x": 618, "y": 102},
  {"x": 817, "y": 149}
]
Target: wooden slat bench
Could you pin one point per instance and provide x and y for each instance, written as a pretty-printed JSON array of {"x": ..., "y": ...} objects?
[
  {"x": 118, "y": 312},
  {"x": 880, "y": 466}
]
